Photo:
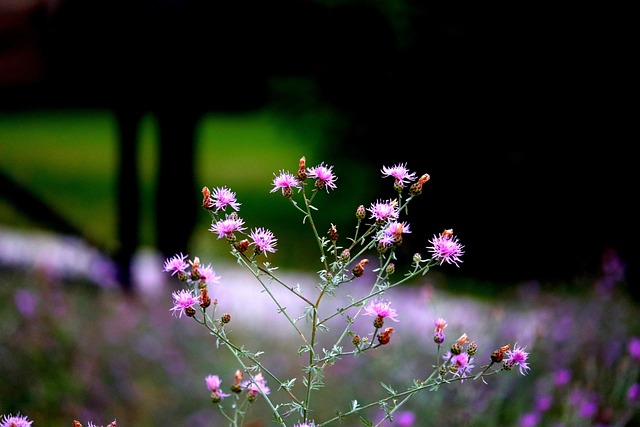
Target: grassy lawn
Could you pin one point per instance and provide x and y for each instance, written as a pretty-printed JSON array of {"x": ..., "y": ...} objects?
[{"x": 68, "y": 158}]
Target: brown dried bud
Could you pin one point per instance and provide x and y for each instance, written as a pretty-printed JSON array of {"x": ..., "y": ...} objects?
[
  {"x": 424, "y": 178},
  {"x": 207, "y": 201},
  {"x": 76, "y": 424},
  {"x": 242, "y": 245},
  {"x": 333, "y": 233},
  {"x": 385, "y": 336},
  {"x": 237, "y": 387},
  {"x": 498, "y": 355},
  {"x": 447, "y": 232},
  {"x": 358, "y": 270},
  {"x": 302, "y": 169},
  {"x": 205, "y": 300}
]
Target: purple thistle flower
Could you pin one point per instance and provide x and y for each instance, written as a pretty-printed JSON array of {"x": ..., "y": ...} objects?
[
  {"x": 517, "y": 357},
  {"x": 633, "y": 392},
  {"x": 256, "y": 385},
  {"x": 384, "y": 211},
  {"x": 263, "y": 240},
  {"x": 183, "y": 300},
  {"x": 446, "y": 248},
  {"x": 463, "y": 364},
  {"x": 324, "y": 176},
  {"x": 399, "y": 172},
  {"x": 15, "y": 421},
  {"x": 223, "y": 197},
  {"x": 176, "y": 264},
  {"x": 213, "y": 384},
  {"x": 285, "y": 181},
  {"x": 226, "y": 227},
  {"x": 381, "y": 308},
  {"x": 208, "y": 275}
]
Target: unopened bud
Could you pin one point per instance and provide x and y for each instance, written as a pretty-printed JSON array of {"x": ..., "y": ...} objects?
[
  {"x": 416, "y": 258},
  {"x": 333, "y": 233},
  {"x": 391, "y": 268},
  {"x": 472, "y": 349},
  {"x": 226, "y": 318},
  {"x": 378, "y": 322},
  {"x": 356, "y": 340},
  {"x": 190, "y": 311},
  {"x": 361, "y": 213},
  {"x": 345, "y": 255},
  {"x": 456, "y": 348}
]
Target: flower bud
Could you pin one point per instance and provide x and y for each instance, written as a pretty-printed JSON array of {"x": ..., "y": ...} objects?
[
  {"x": 333, "y": 233},
  {"x": 472, "y": 349},
  {"x": 302, "y": 169},
  {"x": 226, "y": 318},
  {"x": 237, "y": 387},
  {"x": 391, "y": 268},
  {"x": 385, "y": 336},
  {"x": 207, "y": 201},
  {"x": 345, "y": 255},
  {"x": 398, "y": 186},
  {"x": 356, "y": 340},
  {"x": 242, "y": 245},
  {"x": 205, "y": 300},
  {"x": 361, "y": 212},
  {"x": 190, "y": 311},
  {"x": 438, "y": 337},
  {"x": 456, "y": 348},
  {"x": 498, "y": 355},
  {"x": 378, "y": 322},
  {"x": 358, "y": 270}
]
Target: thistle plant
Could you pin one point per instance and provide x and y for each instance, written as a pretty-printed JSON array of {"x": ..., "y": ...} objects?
[
  {"x": 378, "y": 232},
  {"x": 327, "y": 327}
]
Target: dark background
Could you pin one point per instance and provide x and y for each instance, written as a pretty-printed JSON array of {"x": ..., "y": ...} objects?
[{"x": 522, "y": 114}]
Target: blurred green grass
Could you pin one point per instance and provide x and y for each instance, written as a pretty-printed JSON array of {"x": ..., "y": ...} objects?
[{"x": 69, "y": 159}]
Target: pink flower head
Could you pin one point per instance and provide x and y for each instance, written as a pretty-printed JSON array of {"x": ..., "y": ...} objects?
[
  {"x": 463, "y": 364},
  {"x": 397, "y": 229},
  {"x": 399, "y": 172},
  {"x": 176, "y": 264},
  {"x": 208, "y": 275},
  {"x": 285, "y": 181},
  {"x": 384, "y": 211},
  {"x": 15, "y": 421},
  {"x": 263, "y": 240},
  {"x": 446, "y": 248},
  {"x": 382, "y": 309},
  {"x": 223, "y": 197},
  {"x": 517, "y": 357},
  {"x": 307, "y": 424},
  {"x": 226, "y": 227},
  {"x": 256, "y": 385},
  {"x": 183, "y": 300},
  {"x": 213, "y": 384},
  {"x": 324, "y": 177}
]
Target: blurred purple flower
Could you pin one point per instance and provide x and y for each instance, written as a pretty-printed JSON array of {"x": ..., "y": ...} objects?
[
  {"x": 562, "y": 377},
  {"x": 633, "y": 347},
  {"x": 529, "y": 419},
  {"x": 26, "y": 302}
]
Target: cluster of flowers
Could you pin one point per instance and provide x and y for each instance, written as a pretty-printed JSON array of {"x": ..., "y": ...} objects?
[
  {"x": 382, "y": 234},
  {"x": 18, "y": 420}
]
